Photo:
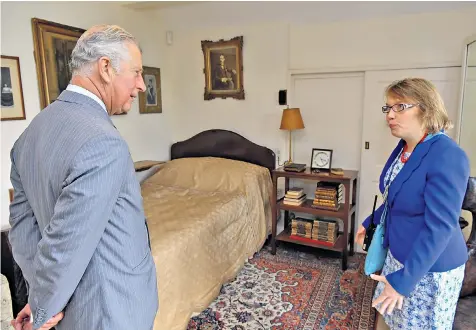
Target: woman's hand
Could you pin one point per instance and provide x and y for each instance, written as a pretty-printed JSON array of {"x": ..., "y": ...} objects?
[
  {"x": 359, "y": 237},
  {"x": 389, "y": 297}
]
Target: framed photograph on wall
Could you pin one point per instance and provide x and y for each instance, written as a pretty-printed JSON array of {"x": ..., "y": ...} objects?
[
  {"x": 150, "y": 101},
  {"x": 53, "y": 44},
  {"x": 321, "y": 159},
  {"x": 223, "y": 68},
  {"x": 12, "y": 104}
]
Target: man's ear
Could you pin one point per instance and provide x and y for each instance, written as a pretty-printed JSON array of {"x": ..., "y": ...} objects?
[{"x": 105, "y": 69}]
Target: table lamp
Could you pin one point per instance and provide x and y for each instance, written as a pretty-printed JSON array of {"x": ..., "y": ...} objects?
[{"x": 290, "y": 121}]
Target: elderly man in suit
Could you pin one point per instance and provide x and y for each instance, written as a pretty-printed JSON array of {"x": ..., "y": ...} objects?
[{"x": 78, "y": 229}]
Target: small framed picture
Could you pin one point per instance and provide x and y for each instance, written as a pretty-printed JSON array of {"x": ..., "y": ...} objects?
[
  {"x": 13, "y": 107},
  {"x": 151, "y": 100},
  {"x": 321, "y": 159}
]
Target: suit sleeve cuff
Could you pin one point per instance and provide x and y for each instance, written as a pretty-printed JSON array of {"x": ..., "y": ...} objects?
[{"x": 396, "y": 280}]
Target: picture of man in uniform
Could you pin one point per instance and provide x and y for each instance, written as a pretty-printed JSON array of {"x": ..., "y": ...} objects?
[{"x": 223, "y": 77}]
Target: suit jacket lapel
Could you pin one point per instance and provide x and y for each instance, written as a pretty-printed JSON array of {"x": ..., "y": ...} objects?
[{"x": 413, "y": 163}]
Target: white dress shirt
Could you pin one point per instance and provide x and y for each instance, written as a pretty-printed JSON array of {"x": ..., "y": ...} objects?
[{"x": 85, "y": 92}]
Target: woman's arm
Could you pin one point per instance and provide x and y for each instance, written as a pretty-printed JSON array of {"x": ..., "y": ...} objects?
[{"x": 444, "y": 193}]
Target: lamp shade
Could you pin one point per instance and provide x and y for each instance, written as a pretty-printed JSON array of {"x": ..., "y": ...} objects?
[{"x": 291, "y": 119}]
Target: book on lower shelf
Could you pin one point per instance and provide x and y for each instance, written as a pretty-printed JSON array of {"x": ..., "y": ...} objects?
[
  {"x": 311, "y": 240},
  {"x": 324, "y": 231},
  {"x": 301, "y": 227}
]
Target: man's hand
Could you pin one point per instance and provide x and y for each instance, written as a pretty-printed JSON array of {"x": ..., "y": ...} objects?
[
  {"x": 23, "y": 317},
  {"x": 360, "y": 236},
  {"x": 22, "y": 322},
  {"x": 389, "y": 297}
]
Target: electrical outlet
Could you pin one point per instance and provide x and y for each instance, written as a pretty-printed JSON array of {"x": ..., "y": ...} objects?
[
  {"x": 279, "y": 193},
  {"x": 277, "y": 152}
]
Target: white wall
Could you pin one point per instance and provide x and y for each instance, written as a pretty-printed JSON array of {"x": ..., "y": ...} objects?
[
  {"x": 233, "y": 13},
  {"x": 265, "y": 72},
  {"x": 274, "y": 50},
  {"x": 399, "y": 41},
  {"x": 148, "y": 135}
]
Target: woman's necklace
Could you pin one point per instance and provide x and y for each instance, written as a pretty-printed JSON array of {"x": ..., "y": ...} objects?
[{"x": 404, "y": 157}]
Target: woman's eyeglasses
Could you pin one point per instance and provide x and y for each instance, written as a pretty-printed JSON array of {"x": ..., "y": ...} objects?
[{"x": 397, "y": 107}]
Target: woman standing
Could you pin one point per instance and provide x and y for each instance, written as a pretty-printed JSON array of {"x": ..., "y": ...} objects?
[{"x": 423, "y": 185}]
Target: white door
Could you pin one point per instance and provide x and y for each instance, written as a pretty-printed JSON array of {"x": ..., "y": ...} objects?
[
  {"x": 468, "y": 119},
  {"x": 468, "y": 133},
  {"x": 375, "y": 130},
  {"x": 331, "y": 108}
]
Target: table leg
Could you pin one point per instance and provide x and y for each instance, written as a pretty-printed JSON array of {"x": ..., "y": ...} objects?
[
  {"x": 351, "y": 236},
  {"x": 344, "y": 259},
  {"x": 274, "y": 214}
]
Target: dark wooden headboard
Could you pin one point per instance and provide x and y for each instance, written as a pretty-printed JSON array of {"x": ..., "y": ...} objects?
[{"x": 224, "y": 144}]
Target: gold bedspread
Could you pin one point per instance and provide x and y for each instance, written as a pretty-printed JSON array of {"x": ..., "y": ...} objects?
[{"x": 206, "y": 217}]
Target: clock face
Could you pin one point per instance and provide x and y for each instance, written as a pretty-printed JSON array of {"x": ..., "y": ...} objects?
[{"x": 321, "y": 159}]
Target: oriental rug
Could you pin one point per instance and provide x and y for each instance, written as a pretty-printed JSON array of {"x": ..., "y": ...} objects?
[{"x": 293, "y": 289}]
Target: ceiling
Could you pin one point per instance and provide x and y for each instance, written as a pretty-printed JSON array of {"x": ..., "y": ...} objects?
[{"x": 143, "y": 5}]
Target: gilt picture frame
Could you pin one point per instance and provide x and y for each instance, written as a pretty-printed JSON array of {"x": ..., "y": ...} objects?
[
  {"x": 223, "y": 68},
  {"x": 12, "y": 103},
  {"x": 53, "y": 44},
  {"x": 150, "y": 101}
]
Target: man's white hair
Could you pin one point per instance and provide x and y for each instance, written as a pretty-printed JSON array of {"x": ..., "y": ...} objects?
[{"x": 101, "y": 40}]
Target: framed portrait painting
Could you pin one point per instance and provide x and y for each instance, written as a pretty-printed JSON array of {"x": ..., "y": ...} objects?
[
  {"x": 223, "y": 68},
  {"x": 12, "y": 105},
  {"x": 53, "y": 44},
  {"x": 150, "y": 101}
]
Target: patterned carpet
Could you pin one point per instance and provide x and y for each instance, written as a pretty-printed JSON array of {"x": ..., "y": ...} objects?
[{"x": 293, "y": 289}]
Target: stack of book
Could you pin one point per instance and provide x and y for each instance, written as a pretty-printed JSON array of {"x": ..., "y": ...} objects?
[
  {"x": 328, "y": 196},
  {"x": 294, "y": 197},
  {"x": 325, "y": 230},
  {"x": 301, "y": 227}
]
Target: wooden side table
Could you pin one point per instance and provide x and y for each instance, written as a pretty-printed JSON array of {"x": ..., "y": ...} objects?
[{"x": 346, "y": 211}]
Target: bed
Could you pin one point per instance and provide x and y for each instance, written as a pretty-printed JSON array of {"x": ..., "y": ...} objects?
[{"x": 208, "y": 210}]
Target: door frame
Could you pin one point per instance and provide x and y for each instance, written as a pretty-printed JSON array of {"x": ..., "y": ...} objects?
[{"x": 464, "y": 62}]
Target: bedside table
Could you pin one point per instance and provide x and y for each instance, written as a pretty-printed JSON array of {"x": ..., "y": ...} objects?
[{"x": 345, "y": 212}]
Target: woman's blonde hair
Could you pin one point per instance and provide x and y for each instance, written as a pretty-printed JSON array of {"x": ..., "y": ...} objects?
[{"x": 433, "y": 112}]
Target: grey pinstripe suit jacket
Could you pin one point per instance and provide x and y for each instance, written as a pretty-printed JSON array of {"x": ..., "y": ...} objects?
[{"x": 78, "y": 225}]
